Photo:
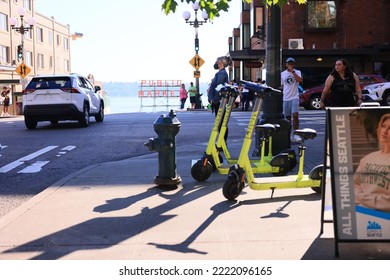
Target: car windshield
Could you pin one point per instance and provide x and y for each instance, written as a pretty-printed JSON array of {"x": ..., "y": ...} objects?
[{"x": 49, "y": 83}]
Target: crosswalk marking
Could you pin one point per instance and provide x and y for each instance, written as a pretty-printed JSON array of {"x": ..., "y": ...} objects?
[
  {"x": 68, "y": 148},
  {"x": 65, "y": 150},
  {"x": 305, "y": 117}
]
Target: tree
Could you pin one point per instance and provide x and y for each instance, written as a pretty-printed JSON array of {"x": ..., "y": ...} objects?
[{"x": 213, "y": 7}]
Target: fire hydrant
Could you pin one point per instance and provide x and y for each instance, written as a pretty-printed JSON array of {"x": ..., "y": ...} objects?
[{"x": 166, "y": 126}]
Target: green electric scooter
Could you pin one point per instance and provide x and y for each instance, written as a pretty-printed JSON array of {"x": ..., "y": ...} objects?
[
  {"x": 278, "y": 165},
  {"x": 243, "y": 168},
  {"x": 212, "y": 158}
]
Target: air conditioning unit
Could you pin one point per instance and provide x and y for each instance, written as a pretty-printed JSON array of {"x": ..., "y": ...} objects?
[{"x": 295, "y": 44}]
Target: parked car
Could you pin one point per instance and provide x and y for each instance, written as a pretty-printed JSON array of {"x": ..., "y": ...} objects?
[
  {"x": 378, "y": 93},
  {"x": 57, "y": 98},
  {"x": 310, "y": 98}
]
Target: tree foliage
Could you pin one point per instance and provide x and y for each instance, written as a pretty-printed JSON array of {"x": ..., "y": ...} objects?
[{"x": 213, "y": 7}]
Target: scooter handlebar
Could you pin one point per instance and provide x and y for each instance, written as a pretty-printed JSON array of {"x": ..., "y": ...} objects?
[
  {"x": 226, "y": 87},
  {"x": 258, "y": 88}
]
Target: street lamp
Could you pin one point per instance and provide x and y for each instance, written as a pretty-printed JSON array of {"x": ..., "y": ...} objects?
[
  {"x": 196, "y": 23},
  {"x": 22, "y": 29}
]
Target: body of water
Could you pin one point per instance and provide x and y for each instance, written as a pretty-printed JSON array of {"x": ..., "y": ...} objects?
[{"x": 131, "y": 104}]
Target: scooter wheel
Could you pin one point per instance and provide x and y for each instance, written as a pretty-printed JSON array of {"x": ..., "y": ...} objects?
[
  {"x": 316, "y": 174},
  {"x": 232, "y": 189},
  {"x": 200, "y": 172},
  {"x": 293, "y": 161}
]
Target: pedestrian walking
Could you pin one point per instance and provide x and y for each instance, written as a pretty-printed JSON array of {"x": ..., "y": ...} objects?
[
  {"x": 290, "y": 79},
  {"x": 183, "y": 96},
  {"x": 5, "y": 98},
  {"x": 192, "y": 92},
  {"x": 244, "y": 99},
  {"x": 343, "y": 86},
  {"x": 221, "y": 77}
]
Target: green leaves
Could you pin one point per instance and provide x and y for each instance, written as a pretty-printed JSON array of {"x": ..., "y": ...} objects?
[
  {"x": 213, "y": 7},
  {"x": 283, "y": 2},
  {"x": 168, "y": 6}
]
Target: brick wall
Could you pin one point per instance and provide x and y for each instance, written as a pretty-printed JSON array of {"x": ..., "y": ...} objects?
[{"x": 360, "y": 23}]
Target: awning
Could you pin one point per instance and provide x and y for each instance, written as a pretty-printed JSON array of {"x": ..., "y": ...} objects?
[
  {"x": 248, "y": 54},
  {"x": 259, "y": 54},
  {"x": 9, "y": 81}
]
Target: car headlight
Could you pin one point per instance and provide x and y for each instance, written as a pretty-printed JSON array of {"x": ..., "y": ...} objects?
[{"x": 371, "y": 88}]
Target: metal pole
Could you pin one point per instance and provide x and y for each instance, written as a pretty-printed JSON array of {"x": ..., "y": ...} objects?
[
  {"x": 196, "y": 50},
  {"x": 273, "y": 57}
]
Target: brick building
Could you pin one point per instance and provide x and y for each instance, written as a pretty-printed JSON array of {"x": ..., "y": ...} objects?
[{"x": 315, "y": 34}]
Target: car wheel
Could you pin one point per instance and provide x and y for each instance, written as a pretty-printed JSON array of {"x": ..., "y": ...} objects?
[
  {"x": 386, "y": 98},
  {"x": 100, "y": 116},
  {"x": 30, "y": 123},
  {"x": 84, "y": 121},
  {"x": 315, "y": 103}
]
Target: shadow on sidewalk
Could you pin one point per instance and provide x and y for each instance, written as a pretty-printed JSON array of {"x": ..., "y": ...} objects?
[
  {"x": 105, "y": 232},
  {"x": 99, "y": 233}
]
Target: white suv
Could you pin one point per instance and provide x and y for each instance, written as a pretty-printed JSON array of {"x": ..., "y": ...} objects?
[
  {"x": 378, "y": 92},
  {"x": 61, "y": 97}
]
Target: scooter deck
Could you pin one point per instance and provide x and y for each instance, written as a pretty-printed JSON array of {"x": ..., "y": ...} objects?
[
  {"x": 283, "y": 182},
  {"x": 223, "y": 169}
]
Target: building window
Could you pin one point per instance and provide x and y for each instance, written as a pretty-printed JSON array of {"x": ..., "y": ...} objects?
[
  {"x": 236, "y": 42},
  {"x": 67, "y": 65},
  {"x": 3, "y": 22},
  {"x": 50, "y": 37},
  {"x": 66, "y": 43},
  {"x": 41, "y": 61},
  {"x": 51, "y": 62},
  {"x": 259, "y": 23},
  {"x": 58, "y": 40},
  {"x": 39, "y": 34},
  {"x": 246, "y": 44},
  {"x": 58, "y": 63},
  {"x": 321, "y": 15},
  {"x": 4, "y": 55},
  {"x": 28, "y": 58},
  {"x": 27, "y": 5}
]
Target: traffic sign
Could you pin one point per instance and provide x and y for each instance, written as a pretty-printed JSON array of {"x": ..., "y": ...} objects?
[
  {"x": 23, "y": 70},
  {"x": 196, "y": 74},
  {"x": 196, "y": 61}
]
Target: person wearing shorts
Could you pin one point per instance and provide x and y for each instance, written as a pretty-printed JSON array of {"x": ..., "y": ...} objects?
[{"x": 290, "y": 79}]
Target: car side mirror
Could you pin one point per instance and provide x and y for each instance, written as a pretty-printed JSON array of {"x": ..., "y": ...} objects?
[{"x": 97, "y": 88}]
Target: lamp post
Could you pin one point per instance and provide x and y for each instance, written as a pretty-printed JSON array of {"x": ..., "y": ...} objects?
[
  {"x": 196, "y": 23},
  {"x": 22, "y": 29}
]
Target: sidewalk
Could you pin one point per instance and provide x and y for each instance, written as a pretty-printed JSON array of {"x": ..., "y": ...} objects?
[{"x": 113, "y": 211}]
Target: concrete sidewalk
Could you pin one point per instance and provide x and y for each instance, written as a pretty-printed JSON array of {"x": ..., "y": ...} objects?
[{"x": 113, "y": 211}]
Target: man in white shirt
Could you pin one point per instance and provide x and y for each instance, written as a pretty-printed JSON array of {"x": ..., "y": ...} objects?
[{"x": 290, "y": 79}]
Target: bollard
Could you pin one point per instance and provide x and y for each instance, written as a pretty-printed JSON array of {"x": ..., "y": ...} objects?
[{"x": 167, "y": 127}]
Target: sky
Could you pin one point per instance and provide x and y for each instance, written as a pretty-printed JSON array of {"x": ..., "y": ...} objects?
[{"x": 133, "y": 40}]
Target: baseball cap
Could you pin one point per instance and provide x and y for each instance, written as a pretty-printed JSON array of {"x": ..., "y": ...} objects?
[{"x": 290, "y": 59}]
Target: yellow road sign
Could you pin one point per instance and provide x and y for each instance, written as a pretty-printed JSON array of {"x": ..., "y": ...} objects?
[
  {"x": 196, "y": 74},
  {"x": 23, "y": 70},
  {"x": 196, "y": 61}
]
